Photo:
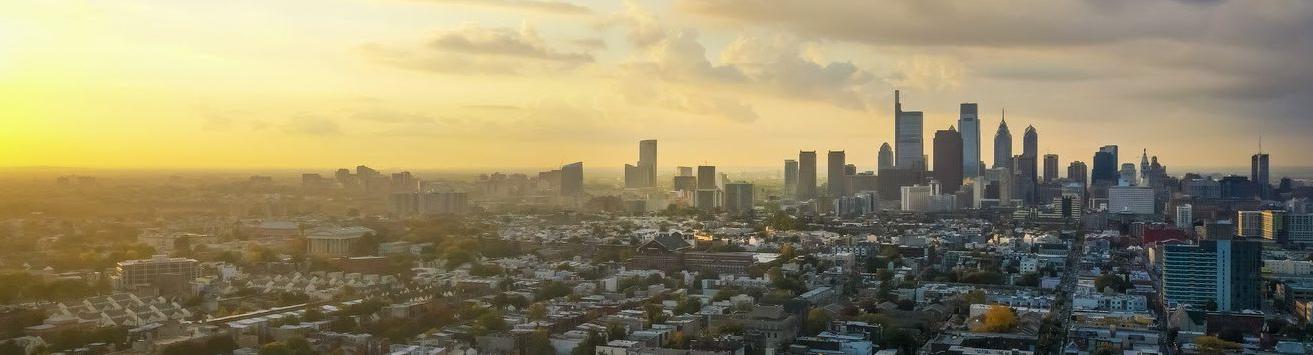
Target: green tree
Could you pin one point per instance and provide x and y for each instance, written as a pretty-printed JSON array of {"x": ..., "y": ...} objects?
[
  {"x": 817, "y": 321},
  {"x": 538, "y": 343},
  {"x": 537, "y": 311},
  {"x": 1112, "y": 281}
]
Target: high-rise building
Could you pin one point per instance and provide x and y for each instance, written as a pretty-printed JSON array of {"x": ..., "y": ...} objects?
[
  {"x": 968, "y": 124},
  {"x": 647, "y": 160},
  {"x": 1299, "y": 229},
  {"x": 1249, "y": 224},
  {"x": 1224, "y": 273},
  {"x": 836, "y": 181},
  {"x": 806, "y": 175},
  {"x": 686, "y": 183},
  {"x": 1050, "y": 167},
  {"x": 1077, "y": 171},
  {"x": 1030, "y": 148},
  {"x": 885, "y": 160},
  {"x": 1003, "y": 145},
  {"x": 738, "y": 197},
  {"x": 909, "y": 145},
  {"x": 1274, "y": 225},
  {"x": 1144, "y": 169},
  {"x": 948, "y": 168},
  {"x": 706, "y": 177},
  {"x": 684, "y": 171},
  {"x": 1185, "y": 217},
  {"x": 1130, "y": 199},
  {"x": 1258, "y": 172},
  {"x": 790, "y": 177},
  {"x": 169, "y": 276},
  {"x": 572, "y": 179},
  {"x": 644, "y": 174},
  {"x": 1104, "y": 170}
]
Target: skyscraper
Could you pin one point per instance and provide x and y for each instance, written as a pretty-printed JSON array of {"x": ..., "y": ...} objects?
[
  {"x": 1126, "y": 176},
  {"x": 836, "y": 181},
  {"x": 1003, "y": 145},
  {"x": 885, "y": 160},
  {"x": 1077, "y": 171},
  {"x": 968, "y": 124},
  {"x": 1105, "y": 166},
  {"x": 1050, "y": 167},
  {"x": 909, "y": 145},
  {"x": 647, "y": 161},
  {"x": 806, "y": 175},
  {"x": 791, "y": 177},
  {"x": 1226, "y": 273},
  {"x": 1185, "y": 217},
  {"x": 1030, "y": 149},
  {"x": 572, "y": 179},
  {"x": 1144, "y": 169},
  {"x": 706, "y": 177},
  {"x": 738, "y": 197},
  {"x": 948, "y": 168},
  {"x": 1258, "y": 172}
]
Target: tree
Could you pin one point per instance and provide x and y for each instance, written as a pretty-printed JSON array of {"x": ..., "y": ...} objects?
[
  {"x": 975, "y": 297},
  {"x": 689, "y": 305},
  {"x": 589, "y": 345},
  {"x": 491, "y": 322},
  {"x": 537, "y": 311},
  {"x": 615, "y": 331},
  {"x": 1117, "y": 283},
  {"x": 817, "y": 321},
  {"x": 1209, "y": 345},
  {"x": 678, "y": 341},
  {"x": 998, "y": 319},
  {"x": 538, "y": 343},
  {"x": 291, "y": 346},
  {"x": 1028, "y": 279},
  {"x": 787, "y": 252},
  {"x": 655, "y": 315}
]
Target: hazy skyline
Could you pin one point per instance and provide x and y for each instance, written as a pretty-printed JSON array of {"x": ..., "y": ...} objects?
[{"x": 467, "y": 84}]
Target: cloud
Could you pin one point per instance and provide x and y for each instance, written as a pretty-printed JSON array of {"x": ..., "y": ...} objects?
[
  {"x": 779, "y": 66},
  {"x": 311, "y": 125},
  {"x": 551, "y": 7},
  {"x": 472, "y": 49}
]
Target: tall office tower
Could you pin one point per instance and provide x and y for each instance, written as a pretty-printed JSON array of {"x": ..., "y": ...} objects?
[
  {"x": 1126, "y": 176},
  {"x": 1185, "y": 217},
  {"x": 738, "y": 197},
  {"x": 1226, "y": 273},
  {"x": 909, "y": 145},
  {"x": 1030, "y": 148},
  {"x": 1003, "y": 145},
  {"x": 849, "y": 170},
  {"x": 1144, "y": 169},
  {"x": 836, "y": 182},
  {"x": 790, "y": 177},
  {"x": 1050, "y": 167},
  {"x": 948, "y": 159},
  {"x": 1077, "y": 171},
  {"x": 647, "y": 161},
  {"x": 806, "y": 175},
  {"x": 1258, "y": 173},
  {"x": 1274, "y": 225},
  {"x": 572, "y": 179},
  {"x": 1299, "y": 229},
  {"x": 1027, "y": 189},
  {"x": 1105, "y": 166},
  {"x": 684, "y": 171},
  {"x": 968, "y": 124},
  {"x": 706, "y": 177},
  {"x": 885, "y": 160}
]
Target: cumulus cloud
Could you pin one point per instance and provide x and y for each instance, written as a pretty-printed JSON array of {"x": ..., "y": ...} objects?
[
  {"x": 775, "y": 65},
  {"x": 472, "y": 49},
  {"x": 552, "y": 7}
]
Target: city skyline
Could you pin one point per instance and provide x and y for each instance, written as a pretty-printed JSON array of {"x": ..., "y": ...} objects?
[{"x": 405, "y": 79}]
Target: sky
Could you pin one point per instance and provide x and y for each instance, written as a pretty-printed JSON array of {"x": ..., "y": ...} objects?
[{"x": 500, "y": 84}]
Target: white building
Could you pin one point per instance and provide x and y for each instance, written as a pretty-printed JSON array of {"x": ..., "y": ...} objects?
[
  {"x": 1130, "y": 199},
  {"x": 1185, "y": 216}
]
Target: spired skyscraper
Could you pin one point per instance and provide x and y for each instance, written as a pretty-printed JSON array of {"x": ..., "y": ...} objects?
[
  {"x": 948, "y": 160},
  {"x": 909, "y": 140},
  {"x": 968, "y": 124},
  {"x": 806, "y": 175},
  {"x": 1003, "y": 145},
  {"x": 1258, "y": 170}
]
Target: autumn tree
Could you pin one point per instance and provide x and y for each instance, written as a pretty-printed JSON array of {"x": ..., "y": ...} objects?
[
  {"x": 998, "y": 319},
  {"x": 537, "y": 311},
  {"x": 1210, "y": 345}
]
